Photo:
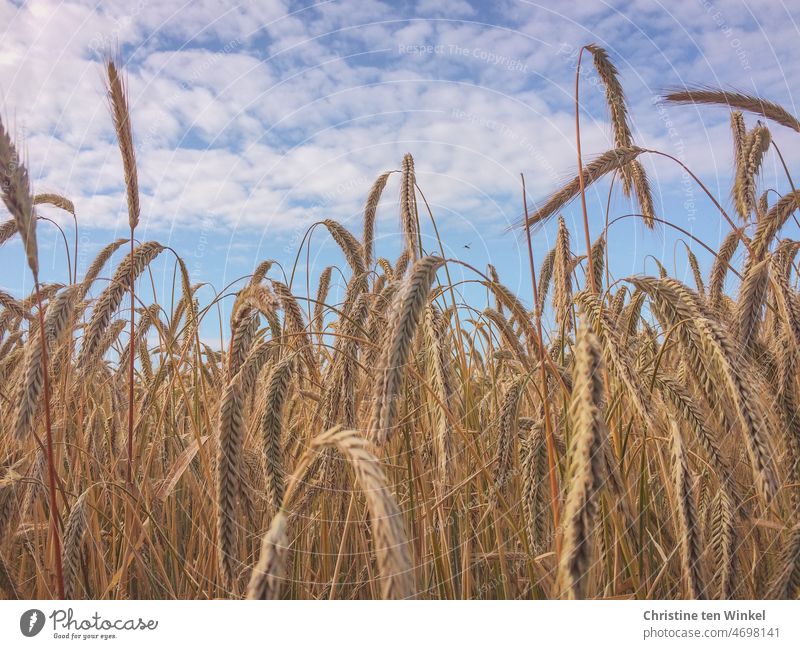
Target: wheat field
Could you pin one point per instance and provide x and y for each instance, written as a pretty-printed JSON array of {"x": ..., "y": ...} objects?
[{"x": 399, "y": 443}]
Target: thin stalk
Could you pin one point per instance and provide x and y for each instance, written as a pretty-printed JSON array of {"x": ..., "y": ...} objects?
[
  {"x": 51, "y": 469},
  {"x": 550, "y": 440},
  {"x": 130, "y": 373},
  {"x": 581, "y": 183}
]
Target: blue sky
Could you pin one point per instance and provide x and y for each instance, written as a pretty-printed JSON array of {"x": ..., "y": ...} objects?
[{"x": 253, "y": 120}]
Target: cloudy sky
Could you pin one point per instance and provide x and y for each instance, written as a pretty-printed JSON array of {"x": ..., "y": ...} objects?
[{"x": 253, "y": 120}]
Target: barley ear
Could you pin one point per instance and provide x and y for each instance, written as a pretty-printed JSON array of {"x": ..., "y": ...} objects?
[
  {"x": 118, "y": 101},
  {"x": 688, "y": 525},
  {"x": 586, "y": 460}
]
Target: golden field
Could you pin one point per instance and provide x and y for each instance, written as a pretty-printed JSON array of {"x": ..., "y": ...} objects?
[{"x": 400, "y": 443}]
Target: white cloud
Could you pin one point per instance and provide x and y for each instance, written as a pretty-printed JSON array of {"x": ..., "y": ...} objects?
[{"x": 263, "y": 112}]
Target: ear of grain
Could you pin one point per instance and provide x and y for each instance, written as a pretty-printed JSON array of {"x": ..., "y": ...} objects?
[
  {"x": 774, "y": 220},
  {"x": 55, "y": 200},
  {"x": 7, "y": 230},
  {"x": 440, "y": 382},
  {"x": 688, "y": 525},
  {"x": 352, "y": 249},
  {"x": 545, "y": 275},
  {"x": 111, "y": 297},
  {"x": 294, "y": 324},
  {"x": 98, "y": 263},
  {"x": 229, "y": 471},
  {"x": 755, "y": 145},
  {"x": 633, "y": 174},
  {"x": 404, "y": 320},
  {"x": 562, "y": 279},
  {"x": 722, "y": 543},
  {"x": 598, "y": 260},
  {"x": 713, "y": 360},
  {"x": 408, "y": 207},
  {"x": 265, "y": 580},
  {"x": 73, "y": 535},
  {"x": 16, "y": 193},
  {"x": 785, "y": 583},
  {"x": 370, "y": 211},
  {"x": 11, "y": 489},
  {"x": 388, "y": 534},
  {"x": 7, "y": 585},
  {"x": 322, "y": 295},
  {"x": 680, "y": 399},
  {"x": 533, "y": 465},
  {"x": 751, "y": 303},
  {"x": 30, "y": 389},
  {"x": 739, "y": 134},
  {"x": 506, "y": 439},
  {"x": 586, "y": 458},
  {"x": 604, "y": 164},
  {"x": 118, "y": 101},
  {"x": 615, "y": 100},
  {"x": 271, "y": 426},
  {"x": 261, "y": 271},
  {"x": 747, "y": 103},
  {"x": 719, "y": 269}
]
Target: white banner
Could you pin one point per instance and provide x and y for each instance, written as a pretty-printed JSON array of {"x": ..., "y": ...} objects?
[{"x": 379, "y": 625}]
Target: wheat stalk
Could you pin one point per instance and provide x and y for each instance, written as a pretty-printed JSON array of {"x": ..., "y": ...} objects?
[
  {"x": 271, "y": 426},
  {"x": 73, "y": 534},
  {"x": 741, "y": 101},
  {"x": 586, "y": 456},
  {"x": 604, "y": 164},
  {"x": 370, "y": 211},
  {"x": 229, "y": 473},
  {"x": 686, "y": 515},
  {"x": 405, "y": 318},
  {"x": 408, "y": 207}
]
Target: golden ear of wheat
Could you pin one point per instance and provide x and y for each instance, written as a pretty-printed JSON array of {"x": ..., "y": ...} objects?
[
  {"x": 585, "y": 465},
  {"x": 16, "y": 193},
  {"x": 786, "y": 580},
  {"x": 370, "y": 212},
  {"x": 111, "y": 297},
  {"x": 688, "y": 524},
  {"x": 265, "y": 580},
  {"x": 392, "y": 548},
  {"x": 350, "y": 246},
  {"x": 118, "y": 101},
  {"x": 633, "y": 174},
  {"x": 604, "y": 164},
  {"x": 738, "y": 100},
  {"x": 55, "y": 200},
  {"x": 392, "y": 367},
  {"x": 30, "y": 389},
  {"x": 229, "y": 473},
  {"x": 271, "y": 426},
  {"x": 408, "y": 207},
  {"x": 73, "y": 534},
  {"x": 562, "y": 279},
  {"x": 261, "y": 271}
]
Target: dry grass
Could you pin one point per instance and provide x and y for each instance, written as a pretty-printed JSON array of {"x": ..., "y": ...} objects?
[{"x": 399, "y": 443}]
